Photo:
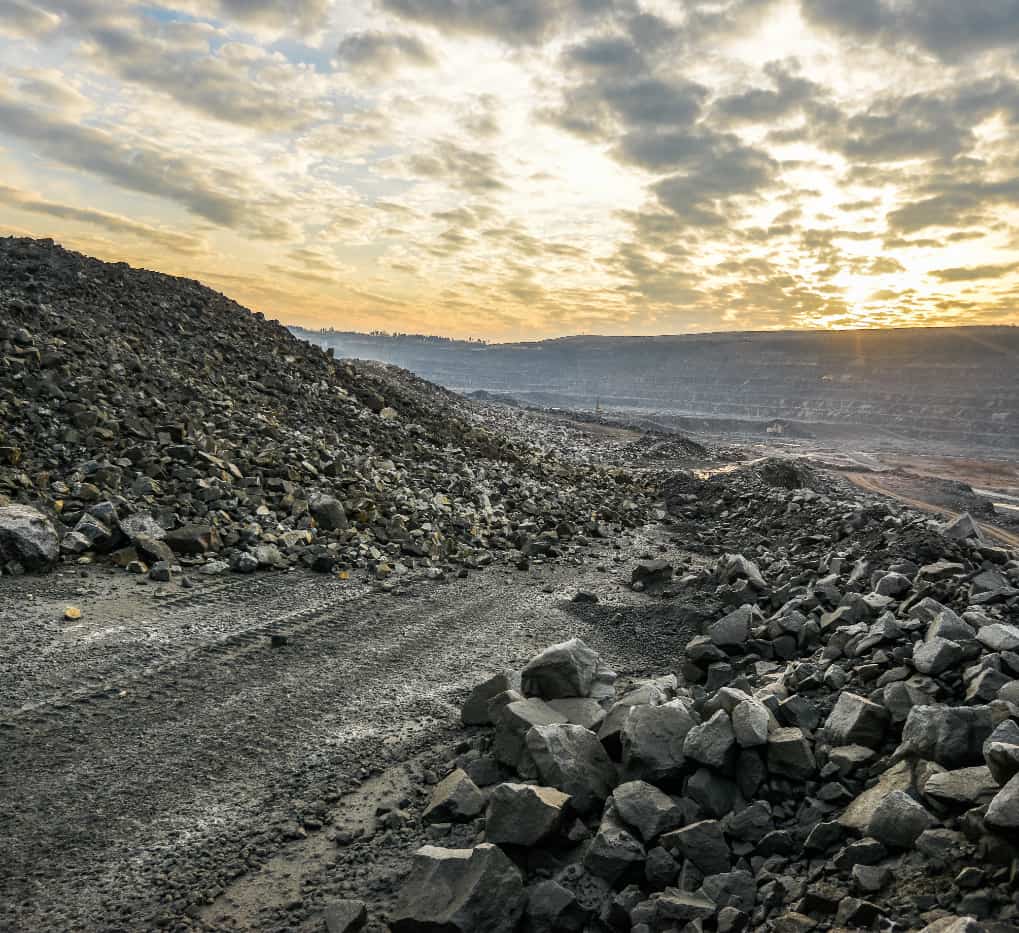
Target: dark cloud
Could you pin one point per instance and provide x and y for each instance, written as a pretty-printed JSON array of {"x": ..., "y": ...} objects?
[
  {"x": 513, "y": 21},
  {"x": 953, "y": 203},
  {"x": 383, "y": 53},
  {"x": 947, "y": 28},
  {"x": 26, "y": 21},
  {"x": 302, "y": 16},
  {"x": 790, "y": 94},
  {"x": 975, "y": 273},
  {"x": 467, "y": 169}
]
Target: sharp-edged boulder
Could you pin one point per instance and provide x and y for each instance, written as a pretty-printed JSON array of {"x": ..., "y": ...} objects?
[
  {"x": 28, "y": 539},
  {"x": 564, "y": 670},
  {"x": 572, "y": 759},
  {"x": 523, "y": 814}
]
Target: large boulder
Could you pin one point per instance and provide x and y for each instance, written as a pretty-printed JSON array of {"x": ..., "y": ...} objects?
[
  {"x": 523, "y": 814},
  {"x": 193, "y": 539},
  {"x": 1003, "y": 813},
  {"x": 614, "y": 850},
  {"x": 475, "y": 710},
  {"x": 652, "y": 741},
  {"x": 572, "y": 759},
  {"x": 857, "y": 721},
  {"x": 898, "y": 820},
  {"x": 953, "y": 736},
  {"x": 27, "y": 538},
  {"x": 328, "y": 513},
  {"x": 512, "y": 723},
  {"x": 564, "y": 670},
  {"x": 647, "y": 809},
  {"x": 459, "y": 891}
]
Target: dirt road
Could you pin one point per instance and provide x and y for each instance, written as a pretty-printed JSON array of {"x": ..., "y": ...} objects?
[
  {"x": 870, "y": 483},
  {"x": 162, "y": 763}
]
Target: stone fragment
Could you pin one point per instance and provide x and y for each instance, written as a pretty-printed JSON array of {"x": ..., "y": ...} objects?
[
  {"x": 962, "y": 787},
  {"x": 703, "y": 843},
  {"x": 750, "y": 723},
  {"x": 513, "y": 721},
  {"x": 459, "y": 891},
  {"x": 999, "y": 637},
  {"x": 712, "y": 743},
  {"x": 193, "y": 539},
  {"x": 455, "y": 799},
  {"x": 951, "y": 736},
  {"x": 475, "y": 711},
  {"x": 646, "y": 809},
  {"x": 790, "y": 755},
  {"x": 581, "y": 711},
  {"x": 732, "y": 631},
  {"x": 1001, "y": 751},
  {"x": 523, "y": 814},
  {"x": 856, "y": 721},
  {"x": 1003, "y": 813},
  {"x": 652, "y": 740},
  {"x": 613, "y": 851},
  {"x": 898, "y": 820},
  {"x": 572, "y": 759},
  {"x": 27, "y": 538},
  {"x": 962, "y": 527},
  {"x": 551, "y": 908},
  {"x": 936, "y": 655},
  {"x": 564, "y": 670},
  {"x": 345, "y": 916}
]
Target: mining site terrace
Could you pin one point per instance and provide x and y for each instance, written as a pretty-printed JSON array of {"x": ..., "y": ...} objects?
[{"x": 294, "y": 639}]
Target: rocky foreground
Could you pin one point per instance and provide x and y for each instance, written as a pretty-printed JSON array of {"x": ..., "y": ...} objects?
[
  {"x": 151, "y": 421},
  {"x": 837, "y": 750}
]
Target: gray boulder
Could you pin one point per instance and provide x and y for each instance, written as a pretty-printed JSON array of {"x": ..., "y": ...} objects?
[
  {"x": 1001, "y": 751},
  {"x": 646, "y": 809},
  {"x": 857, "y": 721},
  {"x": 703, "y": 844},
  {"x": 999, "y": 637},
  {"x": 459, "y": 891},
  {"x": 512, "y": 723},
  {"x": 564, "y": 670},
  {"x": 652, "y": 740},
  {"x": 552, "y": 908},
  {"x": 898, "y": 820},
  {"x": 732, "y": 631},
  {"x": 523, "y": 814},
  {"x": 614, "y": 850},
  {"x": 581, "y": 711},
  {"x": 475, "y": 711},
  {"x": 345, "y": 916},
  {"x": 712, "y": 743},
  {"x": 328, "y": 513},
  {"x": 790, "y": 754},
  {"x": 750, "y": 723},
  {"x": 951, "y": 736},
  {"x": 961, "y": 528},
  {"x": 964, "y": 787},
  {"x": 860, "y": 812},
  {"x": 27, "y": 538},
  {"x": 572, "y": 759},
  {"x": 936, "y": 655},
  {"x": 1003, "y": 813},
  {"x": 455, "y": 799}
]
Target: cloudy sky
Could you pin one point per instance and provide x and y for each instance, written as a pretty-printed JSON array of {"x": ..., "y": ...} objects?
[{"x": 525, "y": 168}]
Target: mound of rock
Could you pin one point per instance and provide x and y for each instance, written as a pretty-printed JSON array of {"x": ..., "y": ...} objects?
[{"x": 150, "y": 419}]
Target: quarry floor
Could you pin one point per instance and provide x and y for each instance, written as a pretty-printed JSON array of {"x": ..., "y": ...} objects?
[{"x": 157, "y": 755}]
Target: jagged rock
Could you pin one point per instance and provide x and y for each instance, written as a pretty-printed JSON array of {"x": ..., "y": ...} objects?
[
  {"x": 455, "y": 799},
  {"x": 646, "y": 809},
  {"x": 674, "y": 907},
  {"x": 893, "y": 584},
  {"x": 936, "y": 655},
  {"x": 524, "y": 815},
  {"x": 461, "y": 890},
  {"x": 27, "y": 538},
  {"x": 572, "y": 759},
  {"x": 750, "y": 723},
  {"x": 328, "y": 512},
  {"x": 703, "y": 843},
  {"x": 581, "y": 711},
  {"x": 856, "y": 721},
  {"x": 790, "y": 755},
  {"x": 963, "y": 787},
  {"x": 733, "y": 630},
  {"x": 1003, "y": 813},
  {"x": 564, "y": 670},
  {"x": 954, "y": 925},
  {"x": 345, "y": 916},
  {"x": 951, "y": 736},
  {"x": 613, "y": 851},
  {"x": 712, "y": 743},
  {"x": 193, "y": 539},
  {"x": 475, "y": 711},
  {"x": 898, "y": 820},
  {"x": 551, "y": 908},
  {"x": 1001, "y": 751},
  {"x": 714, "y": 794},
  {"x": 999, "y": 637},
  {"x": 513, "y": 721},
  {"x": 860, "y": 812},
  {"x": 652, "y": 740},
  {"x": 961, "y": 528},
  {"x": 751, "y": 824},
  {"x": 652, "y": 571},
  {"x": 731, "y": 889}
]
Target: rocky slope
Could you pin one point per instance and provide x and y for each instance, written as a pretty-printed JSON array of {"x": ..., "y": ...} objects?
[{"x": 154, "y": 420}]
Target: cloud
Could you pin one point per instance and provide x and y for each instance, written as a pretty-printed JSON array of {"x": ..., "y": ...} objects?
[
  {"x": 467, "y": 169},
  {"x": 953, "y": 203},
  {"x": 947, "y": 28},
  {"x": 22, "y": 20},
  {"x": 975, "y": 273},
  {"x": 379, "y": 53},
  {"x": 302, "y": 16},
  {"x": 113, "y": 223}
]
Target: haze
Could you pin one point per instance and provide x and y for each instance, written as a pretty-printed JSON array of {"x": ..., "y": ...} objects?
[{"x": 518, "y": 168}]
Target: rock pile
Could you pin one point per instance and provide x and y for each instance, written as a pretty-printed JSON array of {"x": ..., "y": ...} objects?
[
  {"x": 838, "y": 750},
  {"x": 153, "y": 420}
]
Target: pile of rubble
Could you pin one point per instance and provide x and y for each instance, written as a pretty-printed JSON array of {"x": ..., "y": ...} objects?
[
  {"x": 151, "y": 419},
  {"x": 838, "y": 749}
]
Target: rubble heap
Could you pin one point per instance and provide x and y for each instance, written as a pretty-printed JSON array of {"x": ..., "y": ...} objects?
[
  {"x": 154, "y": 420},
  {"x": 837, "y": 750}
]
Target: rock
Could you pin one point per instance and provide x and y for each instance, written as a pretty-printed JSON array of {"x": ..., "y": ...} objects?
[
  {"x": 524, "y": 815},
  {"x": 652, "y": 740},
  {"x": 152, "y": 550},
  {"x": 712, "y": 743},
  {"x": 793, "y": 922},
  {"x": 999, "y": 637},
  {"x": 732, "y": 631},
  {"x": 1003, "y": 813},
  {"x": 951, "y": 736},
  {"x": 328, "y": 513},
  {"x": 856, "y": 721},
  {"x": 731, "y": 889},
  {"x": 964, "y": 787},
  {"x": 244, "y": 562},
  {"x": 461, "y": 890},
  {"x": 893, "y": 584},
  {"x": 1001, "y": 751},
  {"x": 936, "y": 655},
  {"x": 551, "y": 908},
  {"x": 564, "y": 670},
  {"x": 27, "y": 538},
  {"x": 581, "y": 711},
  {"x": 345, "y": 916},
  {"x": 955, "y": 925},
  {"x": 859, "y": 813},
  {"x": 572, "y": 759},
  {"x": 652, "y": 571},
  {"x": 161, "y": 572},
  {"x": 455, "y": 799},
  {"x": 750, "y": 723},
  {"x": 703, "y": 843},
  {"x": 646, "y": 809},
  {"x": 613, "y": 851},
  {"x": 475, "y": 710},
  {"x": 898, "y": 820},
  {"x": 790, "y": 755},
  {"x": 674, "y": 907},
  {"x": 193, "y": 539},
  {"x": 512, "y": 723},
  {"x": 961, "y": 528}
]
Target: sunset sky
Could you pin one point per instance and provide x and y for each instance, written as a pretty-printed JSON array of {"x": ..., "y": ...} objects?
[{"x": 524, "y": 168}]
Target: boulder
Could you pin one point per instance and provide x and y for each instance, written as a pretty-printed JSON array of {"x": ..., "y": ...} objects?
[
  {"x": 652, "y": 571},
  {"x": 712, "y": 743},
  {"x": 964, "y": 787},
  {"x": 790, "y": 754},
  {"x": 572, "y": 759},
  {"x": 936, "y": 655},
  {"x": 857, "y": 721},
  {"x": 28, "y": 538},
  {"x": 523, "y": 814},
  {"x": 581, "y": 711},
  {"x": 455, "y": 799},
  {"x": 459, "y": 891},
  {"x": 1003, "y": 813},
  {"x": 703, "y": 843},
  {"x": 193, "y": 540},
  {"x": 898, "y": 820},
  {"x": 564, "y": 670},
  {"x": 652, "y": 740},
  {"x": 614, "y": 850},
  {"x": 328, "y": 513},
  {"x": 750, "y": 723},
  {"x": 345, "y": 916},
  {"x": 999, "y": 637},
  {"x": 513, "y": 721},
  {"x": 552, "y": 908},
  {"x": 646, "y": 809},
  {"x": 962, "y": 527},
  {"x": 1001, "y": 751},
  {"x": 732, "y": 631},
  {"x": 475, "y": 711},
  {"x": 951, "y": 736},
  {"x": 860, "y": 812}
]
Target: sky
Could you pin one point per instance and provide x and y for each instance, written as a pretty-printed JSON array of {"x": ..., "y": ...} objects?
[{"x": 513, "y": 169}]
